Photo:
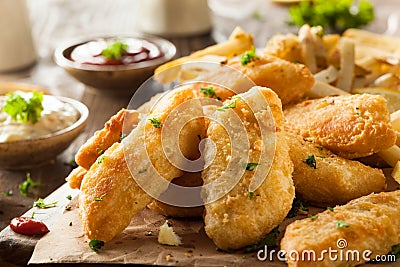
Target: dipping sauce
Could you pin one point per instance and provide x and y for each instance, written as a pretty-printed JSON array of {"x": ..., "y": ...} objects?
[
  {"x": 56, "y": 115},
  {"x": 28, "y": 226},
  {"x": 138, "y": 50}
]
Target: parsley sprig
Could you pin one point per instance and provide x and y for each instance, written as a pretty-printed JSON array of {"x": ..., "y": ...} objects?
[
  {"x": 155, "y": 122},
  {"x": 231, "y": 104},
  {"x": 96, "y": 245},
  {"x": 24, "y": 110},
  {"x": 28, "y": 183},
  {"x": 115, "y": 50},
  {"x": 41, "y": 205},
  {"x": 249, "y": 56}
]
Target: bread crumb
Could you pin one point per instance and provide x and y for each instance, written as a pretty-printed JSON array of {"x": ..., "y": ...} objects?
[
  {"x": 187, "y": 254},
  {"x": 167, "y": 236},
  {"x": 168, "y": 257}
]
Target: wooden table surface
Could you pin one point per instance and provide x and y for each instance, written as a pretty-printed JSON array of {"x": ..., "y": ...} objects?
[{"x": 53, "y": 22}]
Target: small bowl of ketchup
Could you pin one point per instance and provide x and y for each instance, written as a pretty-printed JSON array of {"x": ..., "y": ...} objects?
[{"x": 114, "y": 64}]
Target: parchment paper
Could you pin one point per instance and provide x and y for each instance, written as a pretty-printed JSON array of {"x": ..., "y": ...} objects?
[{"x": 66, "y": 244}]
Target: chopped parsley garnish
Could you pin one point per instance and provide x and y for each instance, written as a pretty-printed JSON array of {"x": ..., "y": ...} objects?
[
  {"x": 123, "y": 136},
  {"x": 395, "y": 251},
  {"x": 41, "y": 205},
  {"x": 320, "y": 148},
  {"x": 249, "y": 56},
  {"x": 100, "y": 152},
  {"x": 142, "y": 171},
  {"x": 257, "y": 15},
  {"x": 330, "y": 208},
  {"x": 251, "y": 194},
  {"x": 314, "y": 217},
  {"x": 338, "y": 15},
  {"x": 23, "y": 110},
  {"x": 100, "y": 159},
  {"x": 208, "y": 91},
  {"x": 297, "y": 207},
  {"x": 115, "y": 50},
  {"x": 7, "y": 193},
  {"x": 250, "y": 166},
  {"x": 322, "y": 157},
  {"x": 155, "y": 122},
  {"x": 341, "y": 224},
  {"x": 95, "y": 244},
  {"x": 69, "y": 197},
  {"x": 310, "y": 161},
  {"x": 33, "y": 215},
  {"x": 269, "y": 240},
  {"x": 231, "y": 104},
  {"x": 24, "y": 186},
  {"x": 98, "y": 199}
]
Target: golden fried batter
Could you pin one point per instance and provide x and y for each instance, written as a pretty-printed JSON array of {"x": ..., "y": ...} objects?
[
  {"x": 242, "y": 217},
  {"x": 75, "y": 177},
  {"x": 104, "y": 138},
  {"x": 351, "y": 126},
  {"x": 334, "y": 180},
  {"x": 288, "y": 80},
  {"x": 109, "y": 195},
  {"x": 368, "y": 223}
]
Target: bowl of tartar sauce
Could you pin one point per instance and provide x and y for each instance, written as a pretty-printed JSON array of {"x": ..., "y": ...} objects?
[{"x": 35, "y": 128}]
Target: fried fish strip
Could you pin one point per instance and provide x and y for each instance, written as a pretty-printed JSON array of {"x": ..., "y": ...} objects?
[
  {"x": 288, "y": 80},
  {"x": 104, "y": 138},
  {"x": 370, "y": 223},
  {"x": 110, "y": 196},
  {"x": 324, "y": 179},
  {"x": 242, "y": 217},
  {"x": 351, "y": 126}
]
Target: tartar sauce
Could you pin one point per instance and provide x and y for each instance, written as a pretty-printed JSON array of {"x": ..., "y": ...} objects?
[{"x": 56, "y": 115}]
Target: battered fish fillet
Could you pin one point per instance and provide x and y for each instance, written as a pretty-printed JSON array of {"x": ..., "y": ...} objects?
[
  {"x": 334, "y": 180},
  {"x": 288, "y": 80},
  {"x": 110, "y": 196},
  {"x": 368, "y": 223},
  {"x": 104, "y": 138},
  {"x": 351, "y": 126},
  {"x": 242, "y": 217}
]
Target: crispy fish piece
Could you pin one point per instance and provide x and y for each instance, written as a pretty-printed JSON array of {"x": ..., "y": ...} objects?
[
  {"x": 105, "y": 137},
  {"x": 75, "y": 177},
  {"x": 351, "y": 126},
  {"x": 242, "y": 217},
  {"x": 288, "y": 80},
  {"x": 370, "y": 223},
  {"x": 110, "y": 196},
  {"x": 325, "y": 179}
]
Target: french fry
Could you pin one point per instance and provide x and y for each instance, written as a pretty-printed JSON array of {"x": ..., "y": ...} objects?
[
  {"x": 238, "y": 43},
  {"x": 345, "y": 77},
  {"x": 321, "y": 89}
]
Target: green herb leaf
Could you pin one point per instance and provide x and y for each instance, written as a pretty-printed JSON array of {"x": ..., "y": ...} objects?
[
  {"x": 115, "y": 50},
  {"x": 23, "y": 110},
  {"x": 250, "y": 166},
  {"x": 298, "y": 206},
  {"x": 337, "y": 15},
  {"x": 142, "y": 171},
  {"x": 24, "y": 186},
  {"x": 100, "y": 152},
  {"x": 155, "y": 122},
  {"x": 96, "y": 245},
  {"x": 41, "y": 205},
  {"x": 100, "y": 159},
  {"x": 123, "y": 136},
  {"x": 314, "y": 217},
  {"x": 231, "y": 104},
  {"x": 249, "y": 56},
  {"x": 7, "y": 193},
  {"x": 341, "y": 224},
  {"x": 396, "y": 251},
  {"x": 69, "y": 197},
  {"x": 33, "y": 215},
  {"x": 208, "y": 91},
  {"x": 257, "y": 15},
  {"x": 320, "y": 148},
  {"x": 98, "y": 199},
  {"x": 330, "y": 208},
  {"x": 71, "y": 163},
  {"x": 310, "y": 161},
  {"x": 251, "y": 194}
]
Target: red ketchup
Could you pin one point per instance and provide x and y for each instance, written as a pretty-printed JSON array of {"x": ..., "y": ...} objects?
[
  {"x": 28, "y": 226},
  {"x": 139, "y": 50}
]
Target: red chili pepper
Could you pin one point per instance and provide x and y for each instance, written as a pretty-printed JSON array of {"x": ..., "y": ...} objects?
[{"x": 28, "y": 226}]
